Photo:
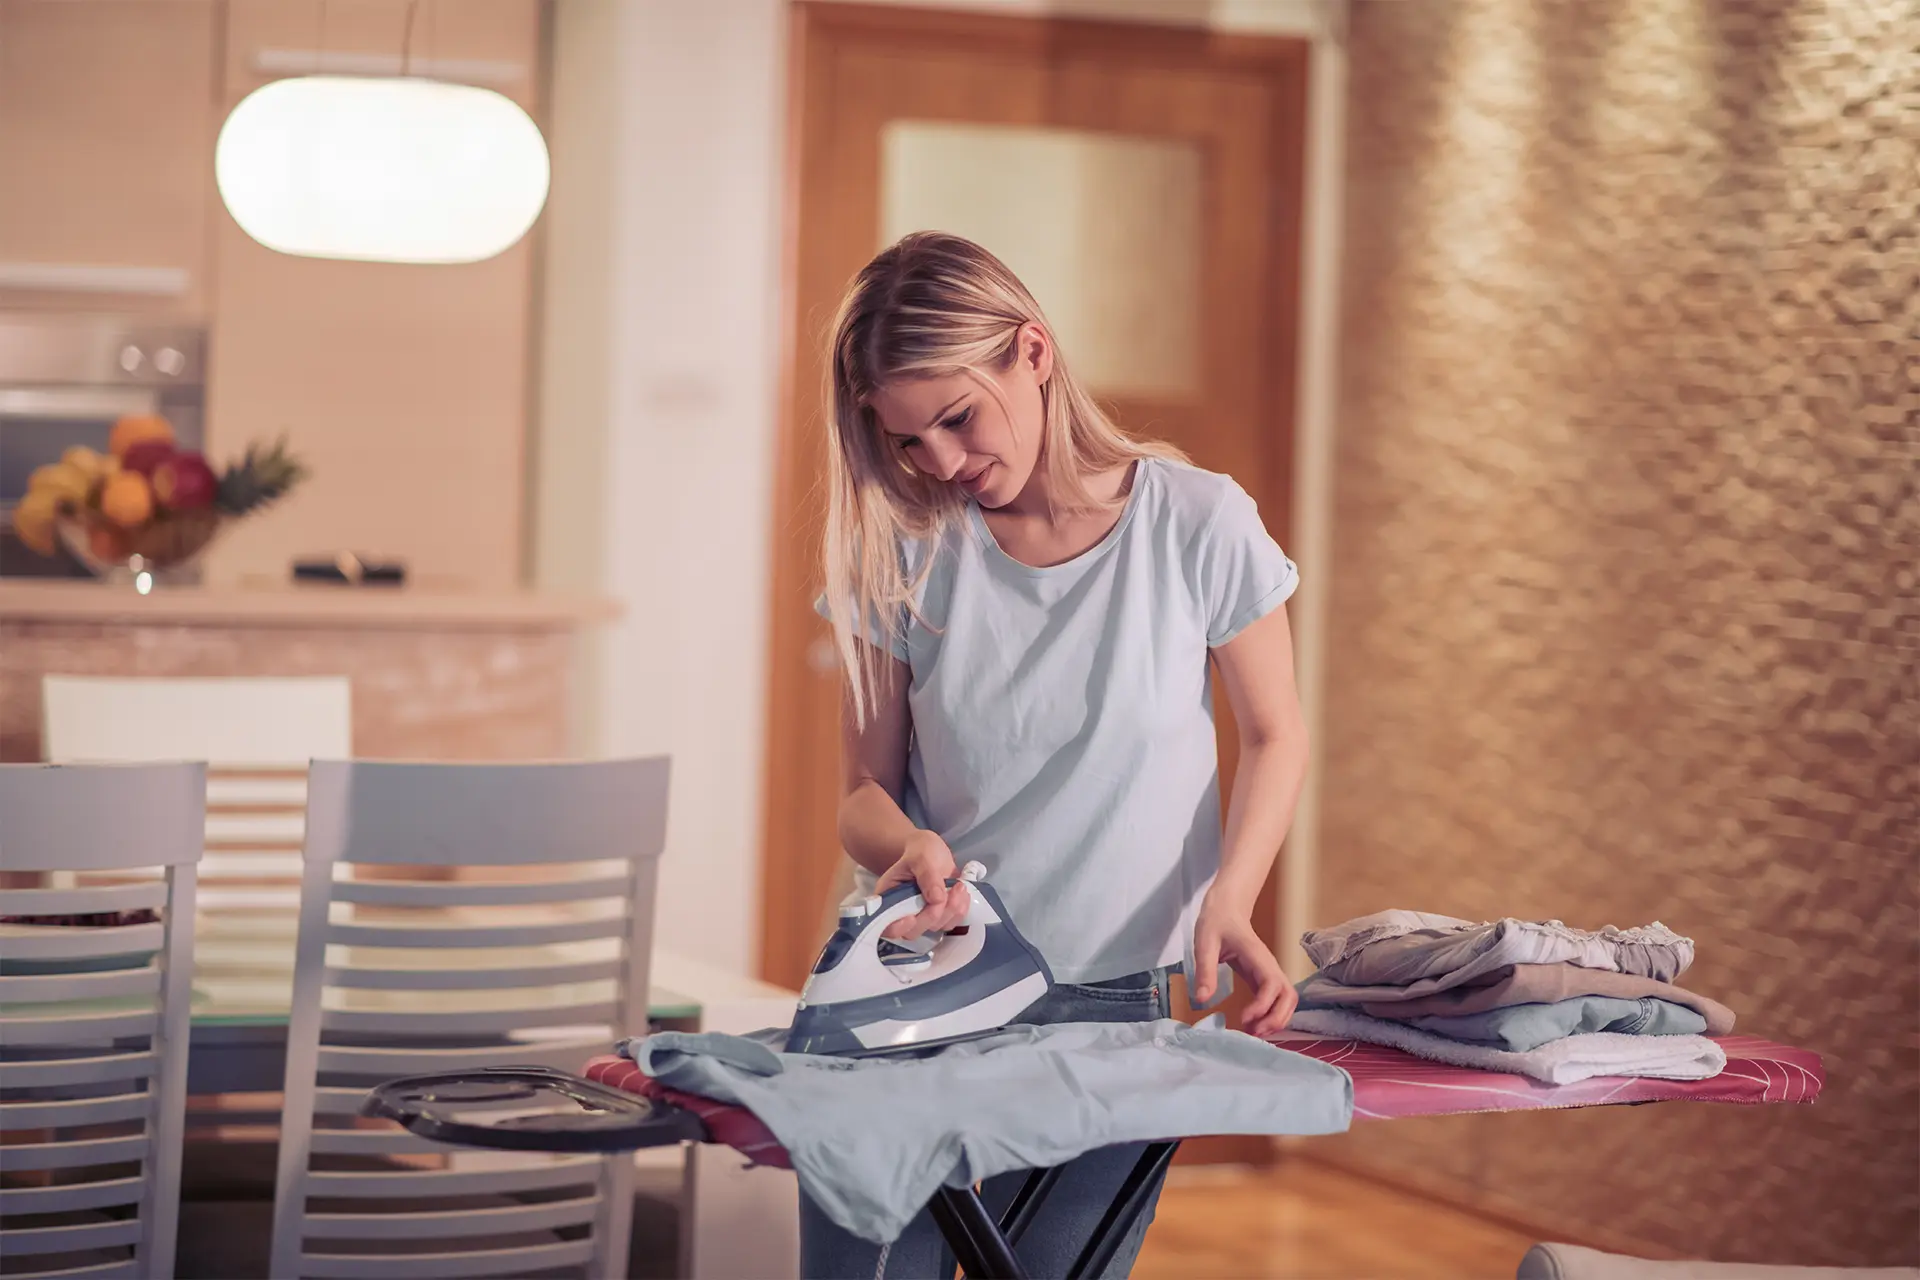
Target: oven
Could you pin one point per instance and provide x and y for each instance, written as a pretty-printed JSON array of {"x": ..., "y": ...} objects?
[{"x": 65, "y": 380}]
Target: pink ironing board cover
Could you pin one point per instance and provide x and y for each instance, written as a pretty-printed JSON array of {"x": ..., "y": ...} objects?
[
  {"x": 732, "y": 1126},
  {"x": 1387, "y": 1085}
]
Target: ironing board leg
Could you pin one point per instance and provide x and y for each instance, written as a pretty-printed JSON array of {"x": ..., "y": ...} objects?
[
  {"x": 1026, "y": 1203},
  {"x": 1125, "y": 1210},
  {"x": 977, "y": 1244}
]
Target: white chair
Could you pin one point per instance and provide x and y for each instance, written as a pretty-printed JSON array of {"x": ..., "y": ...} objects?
[
  {"x": 94, "y": 1018},
  {"x": 398, "y": 977},
  {"x": 257, "y": 736}
]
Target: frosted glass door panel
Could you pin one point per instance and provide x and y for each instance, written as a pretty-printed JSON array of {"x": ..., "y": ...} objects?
[{"x": 1103, "y": 228}]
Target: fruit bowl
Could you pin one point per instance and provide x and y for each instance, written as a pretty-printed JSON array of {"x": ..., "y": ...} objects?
[
  {"x": 166, "y": 547},
  {"x": 146, "y": 510}
]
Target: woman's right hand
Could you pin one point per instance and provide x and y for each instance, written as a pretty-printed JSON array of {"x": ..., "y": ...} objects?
[{"x": 926, "y": 861}]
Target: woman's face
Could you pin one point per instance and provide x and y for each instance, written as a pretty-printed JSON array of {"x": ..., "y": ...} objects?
[{"x": 953, "y": 429}]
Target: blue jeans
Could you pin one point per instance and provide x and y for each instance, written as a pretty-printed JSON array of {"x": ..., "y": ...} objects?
[{"x": 1072, "y": 1209}]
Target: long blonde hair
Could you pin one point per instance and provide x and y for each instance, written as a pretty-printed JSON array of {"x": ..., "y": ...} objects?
[{"x": 931, "y": 305}]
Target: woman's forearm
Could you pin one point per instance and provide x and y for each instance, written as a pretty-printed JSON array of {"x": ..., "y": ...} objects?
[
  {"x": 1266, "y": 788},
  {"x": 873, "y": 828}
]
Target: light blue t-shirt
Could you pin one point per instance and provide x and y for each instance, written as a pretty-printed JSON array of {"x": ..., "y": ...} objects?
[{"x": 1063, "y": 731}]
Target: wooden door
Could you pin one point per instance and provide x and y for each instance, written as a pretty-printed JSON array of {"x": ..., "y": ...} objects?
[{"x": 1199, "y": 136}]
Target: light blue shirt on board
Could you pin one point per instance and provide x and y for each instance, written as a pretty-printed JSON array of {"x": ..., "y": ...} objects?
[
  {"x": 871, "y": 1139},
  {"x": 1063, "y": 731}
]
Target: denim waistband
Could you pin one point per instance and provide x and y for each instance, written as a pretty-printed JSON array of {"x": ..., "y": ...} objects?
[{"x": 1140, "y": 981}]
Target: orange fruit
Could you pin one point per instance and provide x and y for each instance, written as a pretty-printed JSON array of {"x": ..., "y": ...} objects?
[
  {"x": 134, "y": 428},
  {"x": 126, "y": 499},
  {"x": 108, "y": 543}
]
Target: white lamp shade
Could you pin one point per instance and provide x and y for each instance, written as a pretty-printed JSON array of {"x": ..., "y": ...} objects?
[{"x": 381, "y": 169}]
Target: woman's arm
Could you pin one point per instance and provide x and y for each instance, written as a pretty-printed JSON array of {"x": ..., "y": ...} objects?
[
  {"x": 874, "y": 830},
  {"x": 1257, "y": 668},
  {"x": 873, "y": 827}
]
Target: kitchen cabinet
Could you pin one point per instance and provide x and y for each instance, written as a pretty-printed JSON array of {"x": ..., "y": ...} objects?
[
  {"x": 108, "y": 116},
  {"x": 406, "y": 387}
]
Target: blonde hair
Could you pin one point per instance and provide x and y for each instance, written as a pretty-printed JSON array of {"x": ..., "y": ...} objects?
[{"x": 931, "y": 305}]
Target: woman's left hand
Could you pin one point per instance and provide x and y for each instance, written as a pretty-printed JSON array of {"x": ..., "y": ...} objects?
[{"x": 1224, "y": 934}]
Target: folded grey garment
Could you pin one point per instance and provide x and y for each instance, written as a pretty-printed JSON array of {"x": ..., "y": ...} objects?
[
  {"x": 1573, "y": 1262},
  {"x": 1515, "y": 984},
  {"x": 1520, "y": 1027},
  {"x": 1397, "y": 948},
  {"x": 1567, "y": 1060},
  {"x": 1335, "y": 943}
]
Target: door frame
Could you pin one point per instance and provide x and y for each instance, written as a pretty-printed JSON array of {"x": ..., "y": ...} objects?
[{"x": 815, "y": 28}]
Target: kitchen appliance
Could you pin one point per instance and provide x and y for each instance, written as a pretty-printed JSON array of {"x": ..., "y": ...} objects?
[
  {"x": 65, "y": 380},
  {"x": 871, "y": 995},
  {"x": 348, "y": 569}
]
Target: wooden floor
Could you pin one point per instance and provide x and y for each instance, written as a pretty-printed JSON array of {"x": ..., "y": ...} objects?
[{"x": 1306, "y": 1221}]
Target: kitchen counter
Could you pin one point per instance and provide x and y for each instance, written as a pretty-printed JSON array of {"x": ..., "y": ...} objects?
[
  {"x": 436, "y": 673},
  {"x": 317, "y": 605}
]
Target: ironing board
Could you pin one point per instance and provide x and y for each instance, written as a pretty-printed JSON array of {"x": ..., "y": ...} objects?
[
  {"x": 635, "y": 1111},
  {"x": 1388, "y": 1084}
]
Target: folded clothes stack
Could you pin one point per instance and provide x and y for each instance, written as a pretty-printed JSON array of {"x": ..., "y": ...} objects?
[{"x": 1534, "y": 998}]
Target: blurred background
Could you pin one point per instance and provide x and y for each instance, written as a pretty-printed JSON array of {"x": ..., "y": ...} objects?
[{"x": 1572, "y": 347}]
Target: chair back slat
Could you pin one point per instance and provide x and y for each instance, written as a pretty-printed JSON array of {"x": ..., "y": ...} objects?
[
  {"x": 467, "y": 1222},
  {"x": 460, "y": 815},
  {"x": 68, "y": 1239},
  {"x": 475, "y": 1022},
  {"x": 83, "y": 1069},
  {"x": 45, "y": 988},
  {"x": 482, "y": 979},
  {"x": 90, "y": 899},
  {"x": 17, "y": 1157},
  {"x": 100, "y": 819},
  {"x": 64, "y": 942},
  {"x": 468, "y": 1264},
  {"x": 501, "y": 935},
  {"x": 74, "y": 1111},
  {"x": 45, "y": 1029},
  {"x": 460, "y": 893},
  {"x": 107, "y": 1193},
  {"x": 387, "y": 1064},
  {"x": 416, "y": 1184}
]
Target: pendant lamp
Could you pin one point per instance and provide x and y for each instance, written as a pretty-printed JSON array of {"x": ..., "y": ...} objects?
[{"x": 382, "y": 169}]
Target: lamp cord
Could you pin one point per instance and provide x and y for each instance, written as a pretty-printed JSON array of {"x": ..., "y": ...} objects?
[{"x": 406, "y": 39}]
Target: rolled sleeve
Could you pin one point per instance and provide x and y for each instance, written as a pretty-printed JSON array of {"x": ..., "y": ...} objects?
[{"x": 1243, "y": 574}]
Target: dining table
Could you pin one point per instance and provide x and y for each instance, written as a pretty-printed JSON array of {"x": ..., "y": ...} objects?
[{"x": 240, "y": 1046}]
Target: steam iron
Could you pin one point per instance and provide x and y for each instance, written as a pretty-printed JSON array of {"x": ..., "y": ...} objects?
[{"x": 871, "y": 995}]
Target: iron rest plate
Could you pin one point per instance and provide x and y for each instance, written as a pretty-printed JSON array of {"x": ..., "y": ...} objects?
[{"x": 442, "y": 1107}]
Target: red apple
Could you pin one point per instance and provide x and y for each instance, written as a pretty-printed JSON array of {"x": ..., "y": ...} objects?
[
  {"x": 184, "y": 482},
  {"x": 146, "y": 456}
]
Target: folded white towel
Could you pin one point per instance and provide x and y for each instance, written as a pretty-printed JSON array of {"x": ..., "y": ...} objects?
[{"x": 1562, "y": 1061}]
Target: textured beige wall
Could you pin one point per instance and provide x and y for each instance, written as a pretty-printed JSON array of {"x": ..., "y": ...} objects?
[{"x": 1623, "y": 618}]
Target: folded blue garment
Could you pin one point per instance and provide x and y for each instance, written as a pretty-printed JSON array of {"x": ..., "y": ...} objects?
[
  {"x": 1520, "y": 1027},
  {"x": 872, "y": 1139}
]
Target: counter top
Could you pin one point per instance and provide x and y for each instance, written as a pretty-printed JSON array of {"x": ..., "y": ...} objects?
[{"x": 318, "y": 605}]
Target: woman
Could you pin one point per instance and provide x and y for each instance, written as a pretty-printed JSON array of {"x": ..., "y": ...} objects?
[{"x": 1041, "y": 595}]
